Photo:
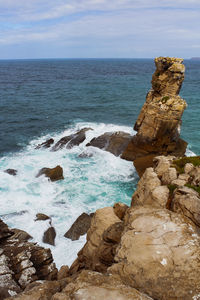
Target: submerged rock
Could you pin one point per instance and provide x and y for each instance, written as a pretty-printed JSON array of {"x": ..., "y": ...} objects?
[
  {"x": 46, "y": 144},
  {"x": 158, "y": 124},
  {"x": 79, "y": 227},
  {"x": 114, "y": 142},
  {"x": 53, "y": 174},
  {"x": 12, "y": 172}
]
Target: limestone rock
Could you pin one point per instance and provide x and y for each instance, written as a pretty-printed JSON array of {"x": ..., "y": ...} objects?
[
  {"x": 47, "y": 144},
  {"x": 49, "y": 236},
  {"x": 53, "y": 174},
  {"x": 92, "y": 285},
  {"x": 120, "y": 209},
  {"x": 88, "y": 256},
  {"x": 71, "y": 140},
  {"x": 11, "y": 172},
  {"x": 114, "y": 142},
  {"x": 158, "y": 125},
  {"x": 159, "y": 254},
  {"x": 79, "y": 227},
  {"x": 187, "y": 202},
  {"x": 169, "y": 176}
]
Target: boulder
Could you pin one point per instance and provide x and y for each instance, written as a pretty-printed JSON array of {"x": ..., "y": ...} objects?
[
  {"x": 53, "y": 174},
  {"x": 158, "y": 124},
  {"x": 88, "y": 256},
  {"x": 79, "y": 227},
  {"x": 71, "y": 140},
  {"x": 47, "y": 144},
  {"x": 49, "y": 236},
  {"x": 92, "y": 285},
  {"x": 12, "y": 172},
  {"x": 114, "y": 142},
  {"x": 159, "y": 254},
  {"x": 120, "y": 209},
  {"x": 42, "y": 217},
  {"x": 63, "y": 272}
]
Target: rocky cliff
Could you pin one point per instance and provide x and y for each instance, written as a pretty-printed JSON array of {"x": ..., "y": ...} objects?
[{"x": 158, "y": 124}]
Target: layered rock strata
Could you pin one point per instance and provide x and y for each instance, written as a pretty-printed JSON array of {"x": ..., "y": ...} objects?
[{"x": 158, "y": 124}]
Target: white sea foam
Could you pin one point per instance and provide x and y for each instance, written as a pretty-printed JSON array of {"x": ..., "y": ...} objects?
[{"x": 89, "y": 183}]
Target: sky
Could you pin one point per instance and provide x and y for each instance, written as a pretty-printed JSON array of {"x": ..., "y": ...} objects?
[{"x": 99, "y": 28}]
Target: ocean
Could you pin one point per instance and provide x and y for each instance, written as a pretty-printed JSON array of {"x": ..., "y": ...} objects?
[{"x": 53, "y": 98}]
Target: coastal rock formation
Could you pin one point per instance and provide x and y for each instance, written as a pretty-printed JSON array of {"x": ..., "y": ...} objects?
[
  {"x": 159, "y": 254},
  {"x": 49, "y": 236},
  {"x": 158, "y": 124},
  {"x": 47, "y": 144},
  {"x": 114, "y": 142},
  {"x": 11, "y": 172},
  {"x": 22, "y": 262},
  {"x": 53, "y": 174},
  {"x": 71, "y": 140},
  {"x": 79, "y": 227},
  {"x": 89, "y": 256}
]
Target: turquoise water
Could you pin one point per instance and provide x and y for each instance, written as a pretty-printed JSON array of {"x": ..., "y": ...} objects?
[{"x": 40, "y": 99}]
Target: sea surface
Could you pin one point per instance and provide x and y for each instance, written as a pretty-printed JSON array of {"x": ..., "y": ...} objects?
[{"x": 40, "y": 99}]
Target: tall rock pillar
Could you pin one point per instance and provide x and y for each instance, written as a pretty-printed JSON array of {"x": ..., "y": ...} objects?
[{"x": 158, "y": 124}]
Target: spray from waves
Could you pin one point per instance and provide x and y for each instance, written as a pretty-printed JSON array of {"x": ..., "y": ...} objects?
[{"x": 90, "y": 183}]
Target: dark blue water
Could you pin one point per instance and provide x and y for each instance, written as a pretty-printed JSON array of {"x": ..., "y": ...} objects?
[{"x": 43, "y": 96}]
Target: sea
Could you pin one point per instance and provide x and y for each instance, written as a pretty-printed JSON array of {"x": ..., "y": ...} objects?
[{"x": 52, "y": 98}]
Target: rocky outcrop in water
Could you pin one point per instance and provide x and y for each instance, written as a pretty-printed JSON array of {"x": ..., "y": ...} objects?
[
  {"x": 158, "y": 124},
  {"x": 53, "y": 174},
  {"x": 22, "y": 262}
]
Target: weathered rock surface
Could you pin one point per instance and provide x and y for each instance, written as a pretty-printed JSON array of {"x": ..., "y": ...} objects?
[
  {"x": 158, "y": 125},
  {"x": 89, "y": 256},
  {"x": 21, "y": 262},
  {"x": 47, "y": 144},
  {"x": 53, "y": 174},
  {"x": 114, "y": 142},
  {"x": 12, "y": 172},
  {"x": 159, "y": 254},
  {"x": 42, "y": 217},
  {"x": 71, "y": 140},
  {"x": 92, "y": 285},
  {"x": 120, "y": 209},
  {"x": 79, "y": 227}
]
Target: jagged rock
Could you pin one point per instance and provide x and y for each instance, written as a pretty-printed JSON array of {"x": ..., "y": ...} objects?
[
  {"x": 159, "y": 254},
  {"x": 188, "y": 168},
  {"x": 187, "y": 201},
  {"x": 85, "y": 155},
  {"x": 114, "y": 142},
  {"x": 49, "y": 236},
  {"x": 169, "y": 176},
  {"x": 53, "y": 174},
  {"x": 92, "y": 285},
  {"x": 46, "y": 144},
  {"x": 42, "y": 217},
  {"x": 22, "y": 262},
  {"x": 120, "y": 209},
  {"x": 12, "y": 172},
  {"x": 79, "y": 227},
  {"x": 71, "y": 140},
  {"x": 158, "y": 125},
  {"x": 88, "y": 256}
]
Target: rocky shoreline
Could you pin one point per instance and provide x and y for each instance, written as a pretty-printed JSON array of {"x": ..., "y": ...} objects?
[{"x": 149, "y": 250}]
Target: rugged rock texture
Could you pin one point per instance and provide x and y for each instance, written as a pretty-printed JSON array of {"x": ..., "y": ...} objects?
[
  {"x": 158, "y": 125},
  {"x": 159, "y": 254},
  {"x": 79, "y": 227},
  {"x": 90, "y": 257},
  {"x": 114, "y": 142},
  {"x": 53, "y": 174},
  {"x": 21, "y": 262},
  {"x": 71, "y": 140},
  {"x": 120, "y": 209},
  {"x": 49, "y": 236},
  {"x": 92, "y": 285}
]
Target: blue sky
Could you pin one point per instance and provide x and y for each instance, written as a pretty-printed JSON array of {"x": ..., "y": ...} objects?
[{"x": 99, "y": 28}]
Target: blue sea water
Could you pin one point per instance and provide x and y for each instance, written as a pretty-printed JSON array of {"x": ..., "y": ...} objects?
[{"x": 53, "y": 98}]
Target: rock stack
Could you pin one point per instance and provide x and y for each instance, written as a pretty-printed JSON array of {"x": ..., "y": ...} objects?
[{"x": 158, "y": 124}]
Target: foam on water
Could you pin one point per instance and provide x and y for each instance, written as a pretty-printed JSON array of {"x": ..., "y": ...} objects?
[{"x": 90, "y": 183}]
